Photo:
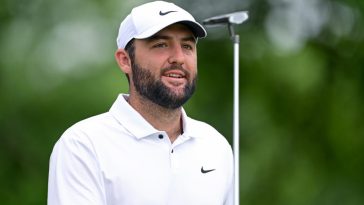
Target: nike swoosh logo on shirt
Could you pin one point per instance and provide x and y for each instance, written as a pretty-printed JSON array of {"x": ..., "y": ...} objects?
[
  {"x": 165, "y": 13},
  {"x": 204, "y": 171}
]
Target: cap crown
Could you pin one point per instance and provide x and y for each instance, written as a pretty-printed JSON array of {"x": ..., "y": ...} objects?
[{"x": 147, "y": 19}]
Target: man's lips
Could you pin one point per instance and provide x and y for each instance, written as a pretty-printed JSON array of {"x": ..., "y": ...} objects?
[
  {"x": 175, "y": 74},
  {"x": 175, "y": 77}
]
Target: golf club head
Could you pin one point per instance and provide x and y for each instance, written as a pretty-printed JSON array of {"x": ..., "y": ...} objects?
[{"x": 230, "y": 18}]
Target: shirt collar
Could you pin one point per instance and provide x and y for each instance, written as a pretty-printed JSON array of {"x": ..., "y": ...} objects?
[
  {"x": 189, "y": 130},
  {"x": 131, "y": 120}
]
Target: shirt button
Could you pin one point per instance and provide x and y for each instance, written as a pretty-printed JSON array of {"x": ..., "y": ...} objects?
[{"x": 160, "y": 136}]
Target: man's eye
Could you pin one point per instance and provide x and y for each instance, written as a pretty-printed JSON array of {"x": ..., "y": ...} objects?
[
  {"x": 188, "y": 47},
  {"x": 160, "y": 45}
]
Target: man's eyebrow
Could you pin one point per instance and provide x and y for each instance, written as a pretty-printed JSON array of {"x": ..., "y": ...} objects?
[{"x": 190, "y": 38}]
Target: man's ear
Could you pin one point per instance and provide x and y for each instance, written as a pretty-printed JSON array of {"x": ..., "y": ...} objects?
[{"x": 123, "y": 60}]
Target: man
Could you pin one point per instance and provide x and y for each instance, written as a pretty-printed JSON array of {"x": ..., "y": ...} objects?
[{"x": 146, "y": 150}]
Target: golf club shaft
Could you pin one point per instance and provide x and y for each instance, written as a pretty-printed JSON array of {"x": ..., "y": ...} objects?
[
  {"x": 236, "y": 147},
  {"x": 230, "y": 20}
]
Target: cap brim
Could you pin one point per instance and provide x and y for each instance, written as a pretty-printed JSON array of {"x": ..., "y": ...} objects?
[{"x": 196, "y": 28}]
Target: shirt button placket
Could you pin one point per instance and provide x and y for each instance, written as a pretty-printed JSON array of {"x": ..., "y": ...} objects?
[{"x": 175, "y": 165}]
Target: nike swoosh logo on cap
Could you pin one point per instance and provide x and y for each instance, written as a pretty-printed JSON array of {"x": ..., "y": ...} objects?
[
  {"x": 204, "y": 171},
  {"x": 165, "y": 13}
]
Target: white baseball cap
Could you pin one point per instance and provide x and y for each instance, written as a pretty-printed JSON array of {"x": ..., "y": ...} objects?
[{"x": 148, "y": 19}]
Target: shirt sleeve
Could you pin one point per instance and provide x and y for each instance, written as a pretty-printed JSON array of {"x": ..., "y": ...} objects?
[
  {"x": 74, "y": 174},
  {"x": 230, "y": 197},
  {"x": 230, "y": 193}
]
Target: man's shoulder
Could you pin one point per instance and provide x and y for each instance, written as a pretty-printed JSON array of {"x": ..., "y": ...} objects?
[
  {"x": 93, "y": 121},
  {"x": 94, "y": 124},
  {"x": 204, "y": 129},
  {"x": 201, "y": 125}
]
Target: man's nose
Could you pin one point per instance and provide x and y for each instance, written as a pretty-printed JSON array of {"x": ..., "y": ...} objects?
[{"x": 177, "y": 55}]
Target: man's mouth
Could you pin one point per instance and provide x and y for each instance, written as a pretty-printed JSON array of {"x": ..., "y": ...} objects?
[
  {"x": 175, "y": 73},
  {"x": 175, "y": 77}
]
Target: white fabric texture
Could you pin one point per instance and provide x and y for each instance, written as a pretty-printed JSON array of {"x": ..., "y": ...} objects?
[{"x": 118, "y": 158}]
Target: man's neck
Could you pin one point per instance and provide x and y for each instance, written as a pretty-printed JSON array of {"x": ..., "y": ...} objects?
[{"x": 164, "y": 119}]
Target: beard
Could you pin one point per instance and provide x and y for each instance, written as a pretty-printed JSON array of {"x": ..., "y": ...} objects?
[{"x": 153, "y": 89}]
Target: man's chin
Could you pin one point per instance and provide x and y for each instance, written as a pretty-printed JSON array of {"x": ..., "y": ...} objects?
[{"x": 177, "y": 93}]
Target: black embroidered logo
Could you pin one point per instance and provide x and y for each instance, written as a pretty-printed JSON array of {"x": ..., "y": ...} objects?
[
  {"x": 165, "y": 13},
  {"x": 204, "y": 171}
]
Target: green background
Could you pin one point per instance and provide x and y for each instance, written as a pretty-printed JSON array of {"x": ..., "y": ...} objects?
[{"x": 301, "y": 91}]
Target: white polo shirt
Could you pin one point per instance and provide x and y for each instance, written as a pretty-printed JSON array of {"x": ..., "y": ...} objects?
[{"x": 118, "y": 158}]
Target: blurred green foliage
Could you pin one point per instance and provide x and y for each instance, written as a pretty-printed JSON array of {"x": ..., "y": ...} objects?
[{"x": 301, "y": 98}]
